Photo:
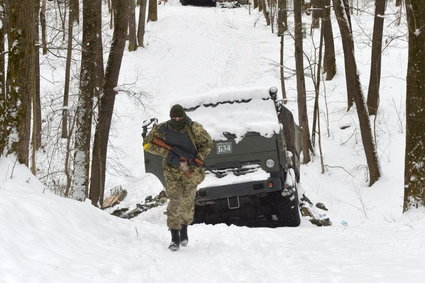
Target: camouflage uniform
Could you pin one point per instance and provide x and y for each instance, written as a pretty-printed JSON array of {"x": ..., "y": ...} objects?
[{"x": 180, "y": 189}]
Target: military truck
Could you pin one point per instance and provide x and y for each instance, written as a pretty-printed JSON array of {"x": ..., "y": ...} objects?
[{"x": 253, "y": 169}]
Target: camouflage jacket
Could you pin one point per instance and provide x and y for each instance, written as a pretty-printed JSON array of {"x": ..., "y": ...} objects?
[{"x": 199, "y": 136}]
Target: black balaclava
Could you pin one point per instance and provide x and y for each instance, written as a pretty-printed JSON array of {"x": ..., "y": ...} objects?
[{"x": 177, "y": 111}]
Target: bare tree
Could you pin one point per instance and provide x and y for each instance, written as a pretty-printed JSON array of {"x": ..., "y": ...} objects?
[
  {"x": 282, "y": 17},
  {"x": 375, "y": 66},
  {"x": 329, "y": 64},
  {"x": 15, "y": 103},
  {"x": 347, "y": 49},
  {"x": 97, "y": 185},
  {"x": 316, "y": 81},
  {"x": 142, "y": 23},
  {"x": 347, "y": 11},
  {"x": 282, "y": 26},
  {"x": 301, "y": 90},
  {"x": 3, "y": 33},
  {"x": 132, "y": 38},
  {"x": 85, "y": 100},
  {"x": 317, "y": 13},
  {"x": 72, "y": 18},
  {"x": 100, "y": 71},
  {"x": 353, "y": 76},
  {"x": 153, "y": 11},
  {"x": 266, "y": 10},
  {"x": 36, "y": 103},
  {"x": 282, "y": 69},
  {"x": 43, "y": 26},
  {"x": 414, "y": 166}
]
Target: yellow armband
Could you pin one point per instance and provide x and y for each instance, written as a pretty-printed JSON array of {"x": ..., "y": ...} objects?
[{"x": 146, "y": 146}]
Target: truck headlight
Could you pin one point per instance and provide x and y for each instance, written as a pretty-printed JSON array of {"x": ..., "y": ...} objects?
[{"x": 270, "y": 163}]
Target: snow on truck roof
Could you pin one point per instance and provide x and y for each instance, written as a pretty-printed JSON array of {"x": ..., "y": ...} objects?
[{"x": 234, "y": 110}]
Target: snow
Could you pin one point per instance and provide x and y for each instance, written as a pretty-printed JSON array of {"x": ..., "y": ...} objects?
[
  {"x": 211, "y": 180},
  {"x": 195, "y": 50},
  {"x": 223, "y": 110}
]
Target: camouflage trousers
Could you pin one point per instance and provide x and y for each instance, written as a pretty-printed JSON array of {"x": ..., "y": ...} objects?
[{"x": 181, "y": 192}]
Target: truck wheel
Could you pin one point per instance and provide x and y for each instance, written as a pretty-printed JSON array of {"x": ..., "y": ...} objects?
[{"x": 287, "y": 211}]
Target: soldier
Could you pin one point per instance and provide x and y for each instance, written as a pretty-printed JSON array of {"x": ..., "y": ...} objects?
[{"x": 181, "y": 176}]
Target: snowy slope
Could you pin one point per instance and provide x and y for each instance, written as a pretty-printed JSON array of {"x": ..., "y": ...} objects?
[
  {"x": 45, "y": 238},
  {"x": 192, "y": 50}
]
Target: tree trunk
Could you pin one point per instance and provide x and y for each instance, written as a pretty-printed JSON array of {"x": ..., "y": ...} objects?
[
  {"x": 15, "y": 104},
  {"x": 347, "y": 49},
  {"x": 329, "y": 64},
  {"x": 317, "y": 14},
  {"x": 266, "y": 11},
  {"x": 260, "y": 5},
  {"x": 282, "y": 69},
  {"x": 301, "y": 90},
  {"x": 153, "y": 11},
  {"x": 100, "y": 71},
  {"x": 282, "y": 17},
  {"x": 73, "y": 16},
  {"x": 132, "y": 37},
  {"x": 74, "y": 8},
  {"x": 375, "y": 66},
  {"x": 142, "y": 23},
  {"x": 2, "y": 51},
  {"x": 272, "y": 12},
  {"x": 43, "y": 26},
  {"x": 316, "y": 117},
  {"x": 3, "y": 95},
  {"x": 414, "y": 166},
  {"x": 85, "y": 101},
  {"x": 352, "y": 75},
  {"x": 36, "y": 104},
  {"x": 107, "y": 101},
  {"x": 37, "y": 101},
  {"x": 398, "y": 3},
  {"x": 347, "y": 12}
]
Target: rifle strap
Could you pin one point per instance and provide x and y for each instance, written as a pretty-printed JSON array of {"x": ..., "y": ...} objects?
[{"x": 191, "y": 136}]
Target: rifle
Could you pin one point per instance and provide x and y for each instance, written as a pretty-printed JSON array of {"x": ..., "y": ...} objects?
[{"x": 184, "y": 156}]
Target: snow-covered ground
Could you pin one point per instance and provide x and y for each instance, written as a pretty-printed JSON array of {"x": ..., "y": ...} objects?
[{"x": 193, "y": 50}]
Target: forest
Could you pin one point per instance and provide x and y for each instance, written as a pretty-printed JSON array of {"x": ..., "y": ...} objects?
[{"x": 79, "y": 77}]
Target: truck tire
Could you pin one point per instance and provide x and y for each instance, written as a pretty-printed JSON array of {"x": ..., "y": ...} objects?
[{"x": 287, "y": 211}]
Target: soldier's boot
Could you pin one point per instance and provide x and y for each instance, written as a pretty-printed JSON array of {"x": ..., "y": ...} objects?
[
  {"x": 175, "y": 240},
  {"x": 183, "y": 236}
]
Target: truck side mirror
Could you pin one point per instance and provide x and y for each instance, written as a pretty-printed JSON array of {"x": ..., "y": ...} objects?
[{"x": 146, "y": 125}]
